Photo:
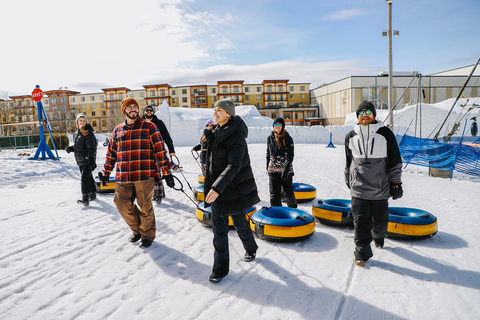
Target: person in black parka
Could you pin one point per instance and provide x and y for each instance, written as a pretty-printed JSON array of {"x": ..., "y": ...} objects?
[
  {"x": 279, "y": 165},
  {"x": 85, "y": 151},
  {"x": 148, "y": 114},
  {"x": 230, "y": 186}
]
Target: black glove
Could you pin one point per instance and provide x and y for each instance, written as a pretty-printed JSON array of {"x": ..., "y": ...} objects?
[
  {"x": 396, "y": 190},
  {"x": 104, "y": 179},
  {"x": 69, "y": 149},
  {"x": 169, "y": 180},
  {"x": 91, "y": 162},
  {"x": 285, "y": 173}
]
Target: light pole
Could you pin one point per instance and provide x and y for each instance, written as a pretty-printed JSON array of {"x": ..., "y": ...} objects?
[{"x": 390, "y": 33}]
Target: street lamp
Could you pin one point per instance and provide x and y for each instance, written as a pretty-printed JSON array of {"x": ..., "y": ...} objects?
[{"x": 390, "y": 64}]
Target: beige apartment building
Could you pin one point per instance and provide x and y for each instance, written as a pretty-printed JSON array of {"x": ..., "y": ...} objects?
[{"x": 273, "y": 98}]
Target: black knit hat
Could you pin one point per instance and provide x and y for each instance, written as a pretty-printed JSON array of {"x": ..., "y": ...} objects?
[
  {"x": 279, "y": 120},
  {"x": 367, "y": 105}
]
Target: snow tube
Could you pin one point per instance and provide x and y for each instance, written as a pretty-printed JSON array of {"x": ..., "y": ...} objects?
[
  {"x": 282, "y": 224},
  {"x": 204, "y": 215},
  {"x": 333, "y": 212},
  {"x": 110, "y": 188},
  {"x": 410, "y": 223},
  {"x": 201, "y": 179},
  {"x": 199, "y": 193},
  {"x": 303, "y": 192}
]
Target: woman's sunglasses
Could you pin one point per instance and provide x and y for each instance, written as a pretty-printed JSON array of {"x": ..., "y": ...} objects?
[
  {"x": 277, "y": 125},
  {"x": 361, "y": 112}
]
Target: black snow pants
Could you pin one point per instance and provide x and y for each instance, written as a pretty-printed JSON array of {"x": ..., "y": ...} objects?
[
  {"x": 370, "y": 221},
  {"x": 276, "y": 184}
]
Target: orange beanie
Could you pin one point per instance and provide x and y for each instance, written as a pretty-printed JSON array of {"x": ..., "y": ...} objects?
[{"x": 126, "y": 102}]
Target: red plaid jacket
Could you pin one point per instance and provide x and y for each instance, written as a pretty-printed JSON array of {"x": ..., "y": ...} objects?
[{"x": 135, "y": 148}]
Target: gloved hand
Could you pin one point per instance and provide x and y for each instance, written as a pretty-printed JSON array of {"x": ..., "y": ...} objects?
[
  {"x": 285, "y": 173},
  {"x": 103, "y": 179},
  {"x": 69, "y": 149},
  {"x": 92, "y": 163},
  {"x": 169, "y": 180},
  {"x": 396, "y": 190}
]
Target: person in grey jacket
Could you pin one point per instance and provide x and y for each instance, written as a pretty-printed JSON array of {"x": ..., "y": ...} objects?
[
  {"x": 373, "y": 173},
  {"x": 230, "y": 186}
]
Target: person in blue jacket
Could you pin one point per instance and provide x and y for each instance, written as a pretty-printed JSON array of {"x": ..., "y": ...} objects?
[{"x": 373, "y": 173}]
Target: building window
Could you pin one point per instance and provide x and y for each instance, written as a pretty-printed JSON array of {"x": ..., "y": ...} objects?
[
  {"x": 104, "y": 113},
  {"x": 104, "y": 123},
  {"x": 82, "y": 99},
  {"x": 291, "y": 88},
  {"x": 174, "y": 92},
  {"x": 93, "y": 113},
  {"x": 184, "y": 99},
  {"x": 247, "y": 98},
  {"x": 84, "y": 106},
  {"x": 259, "y": 105},
  {"x": 214, "y": 98},
  {"x": 184, "y": 91},
  {"x": 121, "y": 96},
  {"x": 224, "y": 89},
  {"x": 269, "y": 89},
  {"x": 111, "y": 96},
  {"x": 94, "y": 123},
  {"x": 102, "y": 97},
  {"x": 259, "y": 89},
  {"x": 302, "y": 96},
  {"x": 247, "y": 89},
  {"x": 291, "y": 96},
  {"x": 214, "y": 90},
  {"x": 92, "y": 98},
  {"x": 280, "y": 87},
  {"x": 152, "y": 93},
  {"x": 259, "y": 97},
  {"x": 142, "y": 94},
  {"x": 302, "y": 88},
  {"x": 72, "y": 100},
  {"x": 92, "y": 105},
  {"x": 174, "y": 100},
  {"x": 236, "y": 89}
]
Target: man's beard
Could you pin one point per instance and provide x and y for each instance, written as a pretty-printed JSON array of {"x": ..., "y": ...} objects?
[
  {"x": 148, "y": 116},
  {"x": 132, "y": 117}
]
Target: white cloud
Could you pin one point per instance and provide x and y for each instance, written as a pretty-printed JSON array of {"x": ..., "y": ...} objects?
[{"x": 344, "y": 14}]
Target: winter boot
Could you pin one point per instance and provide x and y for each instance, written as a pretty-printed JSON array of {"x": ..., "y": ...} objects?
[
  {"x": 84, "y": 200},
  {"x": 92, "y": 196}
]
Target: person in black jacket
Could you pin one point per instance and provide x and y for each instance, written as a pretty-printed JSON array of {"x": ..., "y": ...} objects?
[
  {"x": 85, "y": 150},
  {"x": 202, "y": 146},
  {"x": 148, "y": 115},
  {"x": 230, "y": 186},
  {"x": 279, "y": 165}
]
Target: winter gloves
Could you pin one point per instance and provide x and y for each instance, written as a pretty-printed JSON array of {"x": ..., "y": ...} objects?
[
  {"x": 285, "y": 173},
  {"x": 91, "y": 162},
  {"x": 169, "y": 180},
  {"x": 69, "y": 149},
  {"x": 396, "y": 190},
  {"x": 103, "y": 179}
]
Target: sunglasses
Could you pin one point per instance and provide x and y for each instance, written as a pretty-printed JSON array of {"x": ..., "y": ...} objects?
[
  {"x": 277, "y": 125},
  {"x": 148, "y": 110},
  {"x": 361, "y": 112}
]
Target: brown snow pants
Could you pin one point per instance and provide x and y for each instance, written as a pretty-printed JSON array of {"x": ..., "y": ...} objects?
[{"x": 141, "y": 218}]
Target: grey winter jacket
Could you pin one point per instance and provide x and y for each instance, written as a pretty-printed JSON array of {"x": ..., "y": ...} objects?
[{"x": 373, "y": 161}]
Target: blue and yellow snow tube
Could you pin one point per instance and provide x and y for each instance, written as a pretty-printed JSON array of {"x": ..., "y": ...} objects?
[
  {"x": 110, "y": 188},
  {"x": 204, "y": 215},
  {"x": 201, "y": 178},
  {"x": 199, "y": 193},
  {"x": 333, "y": 212},
  {"x": 282, "y": 224},
  {"x": 410, "y": 223},
  {"x": 303, "y": 192}
]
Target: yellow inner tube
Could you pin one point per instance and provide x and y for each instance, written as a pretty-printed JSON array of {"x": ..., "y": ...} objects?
[
  {"x": 327, "y": 214},
  {"x": 411, "y": 229}
]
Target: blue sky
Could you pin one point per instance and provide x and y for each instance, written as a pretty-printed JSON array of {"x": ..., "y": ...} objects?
[{"x": 93, "y": 44}]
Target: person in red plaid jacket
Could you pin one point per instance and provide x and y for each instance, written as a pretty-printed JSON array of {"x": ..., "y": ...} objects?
[{"x": 135, "y": 147}]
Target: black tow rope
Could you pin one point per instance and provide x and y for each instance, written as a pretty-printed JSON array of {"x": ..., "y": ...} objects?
[
  {"x": 181, "y": 171},
  {"x": 195, "y": 156},
  {"x": 183, "y": 191}
]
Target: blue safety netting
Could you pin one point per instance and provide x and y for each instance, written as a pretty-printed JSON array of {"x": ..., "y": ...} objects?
[{"x": 440, "y": 155}]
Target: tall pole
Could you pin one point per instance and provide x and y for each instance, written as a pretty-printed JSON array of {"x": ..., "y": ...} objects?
[{"x": 390, "y": 64}]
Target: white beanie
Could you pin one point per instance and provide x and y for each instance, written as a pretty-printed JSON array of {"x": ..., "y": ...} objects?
[{"x": 79, "y": 116}]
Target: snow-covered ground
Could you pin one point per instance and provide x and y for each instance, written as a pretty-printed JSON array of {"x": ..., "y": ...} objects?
[{"x": 63, "y": 261}]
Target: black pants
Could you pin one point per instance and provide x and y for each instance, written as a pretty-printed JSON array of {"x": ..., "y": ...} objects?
[
  {"x": 87, "y": 182},
  {"x": 221, "y": 256},
  {"x": 370, "y": 221},
  {"x": 276, "y": 184}
]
